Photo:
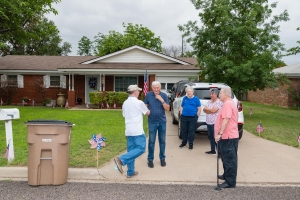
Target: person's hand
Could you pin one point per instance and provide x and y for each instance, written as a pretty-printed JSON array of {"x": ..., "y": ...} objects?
[
  {"x": 158, "y": 97},
  {"x": 218, "y": 138}
]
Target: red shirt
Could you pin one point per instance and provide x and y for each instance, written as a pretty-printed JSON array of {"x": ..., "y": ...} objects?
[{"x": 228, "y": 110}]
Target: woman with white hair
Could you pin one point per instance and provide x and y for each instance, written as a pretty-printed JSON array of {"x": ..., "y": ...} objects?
[{"x": 190, "y": 110}]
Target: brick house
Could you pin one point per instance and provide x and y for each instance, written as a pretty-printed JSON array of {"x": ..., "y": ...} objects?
[
  {"x": 77, "y": 76},
  {"x": 279, "y": 96}
]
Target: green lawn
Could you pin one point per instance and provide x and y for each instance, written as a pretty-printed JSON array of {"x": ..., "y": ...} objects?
[
  {"x": 281, "y": 125},
  {"x": 108, "y": 122}
]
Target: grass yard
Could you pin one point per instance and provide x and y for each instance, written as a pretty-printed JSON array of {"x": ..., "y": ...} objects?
[
  {"x": 280, "y": 125},
  {"x": 87, "y": 122}
]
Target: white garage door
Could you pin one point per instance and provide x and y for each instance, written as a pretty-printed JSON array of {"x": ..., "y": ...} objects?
[{"x": 168, "y": 81}]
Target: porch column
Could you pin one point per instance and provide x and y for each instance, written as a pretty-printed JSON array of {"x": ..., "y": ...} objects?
[
  {"x": 72, "y": 82},
  {"x": 102, "y": 82}
]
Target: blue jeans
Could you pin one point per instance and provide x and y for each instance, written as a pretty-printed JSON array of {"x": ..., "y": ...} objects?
[
  {"x": 229, "y": 148},
  {"x": 136, "y": 146},
  {"x": 160, "y": 128},
  {"x": 188, "y": 128},
  {"x": 211, "y": 136}
]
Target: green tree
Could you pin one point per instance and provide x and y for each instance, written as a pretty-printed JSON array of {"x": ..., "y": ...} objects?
[
  {"x": 294, "y": 50},
  {"x": 85, "y": 47},
  {"x": 237, "y": 43},
  {"x": 42, "y": 39},
  {"x": 66, "y": 48},
  {"x": 25, "y": 31},
  {"x": 16, "y": 16},
  {"x": 133, "y": 35}
]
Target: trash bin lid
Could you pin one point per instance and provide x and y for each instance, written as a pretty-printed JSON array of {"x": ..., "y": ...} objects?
[{"x": 48, "y": 122}]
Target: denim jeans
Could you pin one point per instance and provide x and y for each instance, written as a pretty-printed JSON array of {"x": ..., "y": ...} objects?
[
  {"x": 228, "y": 148},
  {"x": 159, "y": 128},
  {"x": 136, "y": 146},
  {"x": 211, "y": 136},
  {"x": 188, "y": 128}
]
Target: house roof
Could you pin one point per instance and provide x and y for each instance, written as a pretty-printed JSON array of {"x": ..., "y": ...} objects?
[
  {"x": 292, "y": 71},
  {"x": 131, "y": 60},
  {"x": 138, "y": 54},
  {"x": 47, "y": 63}
]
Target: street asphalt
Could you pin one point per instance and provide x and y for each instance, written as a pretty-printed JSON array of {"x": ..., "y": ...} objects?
[{"x": 260, "y": 162}]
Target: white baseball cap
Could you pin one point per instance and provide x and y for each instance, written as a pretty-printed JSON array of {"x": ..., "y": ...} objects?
[{"x": 132, "y": 88}]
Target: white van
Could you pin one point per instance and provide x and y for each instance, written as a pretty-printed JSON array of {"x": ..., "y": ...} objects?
[{"x": 202, "y": 91}]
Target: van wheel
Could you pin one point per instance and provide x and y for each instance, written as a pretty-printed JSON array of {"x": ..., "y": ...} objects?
[
  {"x": 174, "y": 121},
  {"x": 179, "y": 129},
  {"x": 240, "y": 134}
]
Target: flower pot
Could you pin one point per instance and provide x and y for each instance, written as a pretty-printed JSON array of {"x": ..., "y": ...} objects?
[{"x": 61, "y": 100}]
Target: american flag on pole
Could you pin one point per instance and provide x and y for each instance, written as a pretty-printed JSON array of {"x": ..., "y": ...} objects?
[
  {"x": 299, "y": 137},
  {"x": 32, "y": 102},
  {"x": 1, "y": 102},
  {"x": 6, "y": 152},
  {"x": 146, "y": 83},
  {"x": 115, "y": 105}
]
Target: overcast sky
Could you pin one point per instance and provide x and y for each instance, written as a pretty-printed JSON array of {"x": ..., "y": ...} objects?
[{"x": 78, "y": 18}]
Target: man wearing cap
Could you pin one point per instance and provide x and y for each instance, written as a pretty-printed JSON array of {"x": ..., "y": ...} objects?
[
  {"x": 158, "y": 103},
  {"x": 133, "y": 111}
]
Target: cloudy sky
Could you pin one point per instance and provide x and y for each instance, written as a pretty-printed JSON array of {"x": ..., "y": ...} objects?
[{"x": 78, "y": 18}]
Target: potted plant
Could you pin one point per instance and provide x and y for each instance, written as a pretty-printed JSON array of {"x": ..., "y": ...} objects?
[
  {"x": 25, "y": 100},
  {"x": 47, "y": 102}
]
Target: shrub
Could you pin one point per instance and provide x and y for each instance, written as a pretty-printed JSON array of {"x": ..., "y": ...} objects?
[
  {"x": 96, "y": 98},
  {"x": 121, "y": 97}
]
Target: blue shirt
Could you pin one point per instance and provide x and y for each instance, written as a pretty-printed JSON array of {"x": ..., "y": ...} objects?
[
  {"x": 190, "y": 106},
  {"x": 157, "y": 111}
]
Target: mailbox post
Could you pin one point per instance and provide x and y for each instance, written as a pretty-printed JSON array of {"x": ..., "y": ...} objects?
[{"x": 8, "y": 115}]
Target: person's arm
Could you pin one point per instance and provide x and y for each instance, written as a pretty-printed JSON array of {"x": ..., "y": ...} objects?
[
  {"x": 210, "y": 110},
  {"x": 164, "y": 104},
  {"x": 147, "y": 113},
  {"x": 223, "y": 127},
  {"x": 199, "y": 111}
]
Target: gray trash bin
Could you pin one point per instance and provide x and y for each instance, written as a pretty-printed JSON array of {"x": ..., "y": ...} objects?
[{"x": 48, "y": 151}]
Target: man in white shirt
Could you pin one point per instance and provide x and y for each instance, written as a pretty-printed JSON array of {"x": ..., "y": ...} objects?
[{"x": 133, "y": 111}]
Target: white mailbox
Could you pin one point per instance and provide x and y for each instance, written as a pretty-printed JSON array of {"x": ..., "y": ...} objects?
[{"x": 8, "y": 115}]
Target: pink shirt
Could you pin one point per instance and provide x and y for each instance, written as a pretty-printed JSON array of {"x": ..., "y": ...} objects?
[
  {"x": 228, "y": 110},
  {"x": 211, "y": 118}
]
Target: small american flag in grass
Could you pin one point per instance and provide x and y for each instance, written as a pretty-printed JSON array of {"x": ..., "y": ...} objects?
[{"x": 250, "y": 112}]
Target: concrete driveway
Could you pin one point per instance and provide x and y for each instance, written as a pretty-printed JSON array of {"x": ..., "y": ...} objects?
[{"x": 259, "y": 162}]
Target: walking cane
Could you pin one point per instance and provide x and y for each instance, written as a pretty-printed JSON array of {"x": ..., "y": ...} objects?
[{"x": 218, "y": 186}]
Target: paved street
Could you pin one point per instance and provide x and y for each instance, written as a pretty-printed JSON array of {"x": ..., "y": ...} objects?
[{"x": 21, "y": 190}]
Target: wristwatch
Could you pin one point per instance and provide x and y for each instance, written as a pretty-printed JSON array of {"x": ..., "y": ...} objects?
[{"x": 163, "y": 102}]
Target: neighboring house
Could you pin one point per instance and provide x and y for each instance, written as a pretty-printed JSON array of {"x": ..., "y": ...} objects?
[
  {"x": 279, "y": 96},
  {"x": 77, "y": 76}
]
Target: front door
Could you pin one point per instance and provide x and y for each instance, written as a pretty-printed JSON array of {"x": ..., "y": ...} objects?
[{"x": 92, "y": 85}]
